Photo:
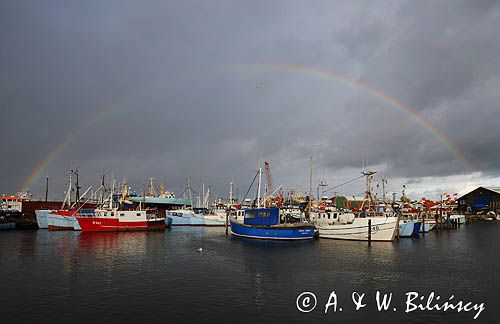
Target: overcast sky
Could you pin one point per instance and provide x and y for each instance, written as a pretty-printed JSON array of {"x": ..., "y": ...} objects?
[{"x": 206, "y": 89}]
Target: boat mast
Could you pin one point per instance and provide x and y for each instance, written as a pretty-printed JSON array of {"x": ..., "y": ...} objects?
[
  {"x": 203, "y": 193},
  {"x": 67, "y": 197},
  {"x": 206, "y": 202},
  {"x": 369, "y": 179},
  {"x": 259, "y": 185},
  {"x": 322, "y": 184},
  {"x": 152, "y": 191},
  {"x": 77, "y": 193},
  {"x": 189, "y": 192},
  {"x": 47, "y": 188},
  {"x": 111, "y": 194},
  {"x": 102, "y": 191},
  {"x": 310, "y": 185},
  {"x": 384, "y": 181},
  {"x": 231, "y": 193}
]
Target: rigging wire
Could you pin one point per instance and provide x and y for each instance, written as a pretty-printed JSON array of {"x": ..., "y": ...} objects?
[
  {"x": 342, "y": 184},
  {"x": 250, "y": 187}
]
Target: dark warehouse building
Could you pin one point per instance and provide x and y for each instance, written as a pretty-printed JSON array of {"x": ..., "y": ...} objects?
[{"x": 482, "y": 198}]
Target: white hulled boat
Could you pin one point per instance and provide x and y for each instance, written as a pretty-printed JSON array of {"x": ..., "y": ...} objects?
[{"x": 335, "y": 224}]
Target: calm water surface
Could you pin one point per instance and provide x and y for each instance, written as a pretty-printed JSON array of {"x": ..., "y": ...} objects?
[{"x": 79, "y": 277}]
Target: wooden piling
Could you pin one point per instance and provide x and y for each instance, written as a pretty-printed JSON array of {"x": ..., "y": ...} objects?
[
  {"x": 423, "y": 225},
  {"x": 397, "y": 224},
  {"x": 227, "y": 221},
  {"x": 369, "y": 232}
]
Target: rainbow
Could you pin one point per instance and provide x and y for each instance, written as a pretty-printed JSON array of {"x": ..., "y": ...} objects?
[
  {"x": 374, "y": 92},
  {"x": 388, "y": 99},
  {"x": 70, "y": 136}
]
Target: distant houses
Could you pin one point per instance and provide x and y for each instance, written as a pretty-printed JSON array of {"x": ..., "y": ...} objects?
[{"x": 482, "y": 198}]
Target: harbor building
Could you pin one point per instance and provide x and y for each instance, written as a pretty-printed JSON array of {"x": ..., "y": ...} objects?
[{"x": 481, "y": 198}]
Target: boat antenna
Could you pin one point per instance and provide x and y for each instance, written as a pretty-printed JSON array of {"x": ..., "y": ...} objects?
[
  {"x": 344, "y": 183},
  {"x": 310, "y": 185},
  {"x": 369, "y": 179},
  {"x": 47, "y": 188},
  {"x": 249, "y": 188},
  {"x": 384, "y": 182},
  {"x": 190, "y": 192},
  {"x": 322, "y": 184},
  {"x": 259, "y": 185},
  {"x": 112, "y": 193},
  {"x": 77, "y": 187},
  {"x": 67, "y": 197}
]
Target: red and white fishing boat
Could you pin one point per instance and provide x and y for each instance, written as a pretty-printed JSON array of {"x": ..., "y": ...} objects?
[
  {"x": 109, "y": 220},
  {"x": 112, "y": 219},
  {"x": 65, "y": 218}
]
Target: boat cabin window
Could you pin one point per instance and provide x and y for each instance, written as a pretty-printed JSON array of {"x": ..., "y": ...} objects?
[
  {"x": 250, "y": 215},
  {"x": 264, "y": 214},
  {"x": 328, "y": 215},
  {"x": 121, "y": 214},
  {"x": 112, "y": 214},
  {"x": 138, "y": 214}
]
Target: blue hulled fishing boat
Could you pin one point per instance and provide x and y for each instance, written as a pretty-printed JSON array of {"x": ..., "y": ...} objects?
[
  {"x": 409, "y": 228},
  {"x": 264, "y": 223},
  {"x": 416, "y": 228}
]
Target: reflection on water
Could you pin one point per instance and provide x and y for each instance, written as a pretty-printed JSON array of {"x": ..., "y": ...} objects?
[
  {"x": 160, "y": 276},
  {"x": 105, "y": 244}
]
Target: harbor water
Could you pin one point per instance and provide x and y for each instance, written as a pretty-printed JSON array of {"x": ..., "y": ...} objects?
[{"x": 163, "y": 277}]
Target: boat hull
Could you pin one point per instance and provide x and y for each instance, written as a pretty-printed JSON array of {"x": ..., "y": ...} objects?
[
  {"x": 407, "y": 228},
  {"x": 416, "y": 228},
  {"x": 100, "y": 224},
  {"x": 178, "y": 221},
  {"x": 428, "y": 226},
  {"x": 213, "y": 220},
  {"x": 194, "y": 220},
  {"x": 274, "y": 232},
  {"x": 60, "y": 221},
  {"x": 460, "y": 218},
  {"x": 383, "y": 229},
  {"x": 42, "y": 218},
  {"x": 7, "y": 225}
]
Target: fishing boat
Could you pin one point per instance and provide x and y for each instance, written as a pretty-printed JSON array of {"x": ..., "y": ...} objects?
[
  {"x": 409, "y": 227},
  {"x": 214, "y": 219},
  {"x": 460, "y": 219},
  {"x": 345, "y": 226},
  {"x": 66, "y": 217},
  {"x": 374, "y": 221},
  {"x": 11, "y": 210},
  {"x": 428, "y": 226},
  {"x": 109, "y": 218},
  {"x": 205, "y": 216},
  {"x": 264, "y": 223},
  {"x": 184, "y": 217},
  {"x": 63, "y": 219},
  {"x": 187, "y": 217},
  {"x": 42, "y": 218},
  {"x": 115, "y": 220},
  {"x": 6, "y": 224}
]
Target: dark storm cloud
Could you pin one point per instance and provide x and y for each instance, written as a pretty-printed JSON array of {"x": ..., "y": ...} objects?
[{"x": 188, "y": 103}]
